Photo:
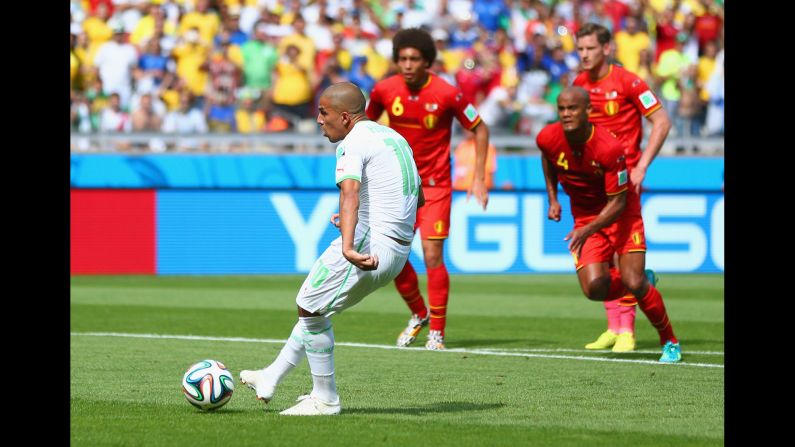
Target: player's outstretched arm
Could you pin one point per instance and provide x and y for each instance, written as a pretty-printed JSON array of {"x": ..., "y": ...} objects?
[
  {"x": 660, "y": 126},
  {"x": 478, "y": 186},
  {"x": 349, "y": 216}
]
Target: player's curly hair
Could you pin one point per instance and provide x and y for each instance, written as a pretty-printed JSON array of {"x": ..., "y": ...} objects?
[{"x": 415, "y": 38}]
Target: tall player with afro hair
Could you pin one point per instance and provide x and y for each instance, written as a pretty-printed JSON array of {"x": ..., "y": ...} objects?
[{"x": 421, "y": 107}]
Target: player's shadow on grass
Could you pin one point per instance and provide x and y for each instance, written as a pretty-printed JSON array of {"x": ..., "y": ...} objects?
[{"x": 431, "y": 408}]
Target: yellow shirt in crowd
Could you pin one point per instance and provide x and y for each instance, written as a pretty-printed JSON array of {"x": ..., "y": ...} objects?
[
  {"x": 628, "y": 48},
  {"x": 250, "y": 122},
  {"x": 98, "y": 32},
  {"x": 208, "y": 25},
  {"x": 706, "y": 66},
  {"x": 292, "y": 85},
  {"x": 304, "y": 43},
  {"x": 146, "y": 29},
  {"x": 189, "y": 58}
]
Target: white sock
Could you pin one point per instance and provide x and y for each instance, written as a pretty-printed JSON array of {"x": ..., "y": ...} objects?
[
  {"x": 318, "y": 337},
  {"x": 290, "y": 356}
]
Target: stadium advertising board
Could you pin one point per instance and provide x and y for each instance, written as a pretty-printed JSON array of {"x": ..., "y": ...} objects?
[
  {"x": 268, "y": 213},
  {"x": 253, "y": 232}
]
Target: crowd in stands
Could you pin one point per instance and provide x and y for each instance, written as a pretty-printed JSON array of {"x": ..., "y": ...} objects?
[{"x": 256, "y": 66}]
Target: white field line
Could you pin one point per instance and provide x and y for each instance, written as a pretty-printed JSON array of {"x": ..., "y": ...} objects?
[
  {"x": 494, "y": 352},
  {"x": 646, "y": 351}
]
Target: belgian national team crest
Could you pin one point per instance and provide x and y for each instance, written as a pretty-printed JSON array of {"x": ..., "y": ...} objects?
[
  {"x": 611, "y": 108},
  {"x": 430, "y": 121}
]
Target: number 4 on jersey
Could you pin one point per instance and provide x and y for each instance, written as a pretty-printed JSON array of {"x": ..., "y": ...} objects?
[{"x": 563, "y": 162}]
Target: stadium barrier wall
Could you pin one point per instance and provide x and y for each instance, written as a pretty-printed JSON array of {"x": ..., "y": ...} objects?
[
  {"x": 203, "y": 214},
  {"x": 172, "y": 232}
]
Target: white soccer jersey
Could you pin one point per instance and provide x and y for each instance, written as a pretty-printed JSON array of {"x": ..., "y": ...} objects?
[{"x": 382, "y": 161}]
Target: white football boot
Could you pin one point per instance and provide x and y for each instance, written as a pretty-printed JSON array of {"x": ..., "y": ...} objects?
[
  {"x": 435, "y": 341},
  {"x": 311, "y": 406},
  {"x": 257, "y": 381}
]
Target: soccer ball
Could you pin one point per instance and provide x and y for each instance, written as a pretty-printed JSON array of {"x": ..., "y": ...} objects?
[{"x": 208, "y": 385}]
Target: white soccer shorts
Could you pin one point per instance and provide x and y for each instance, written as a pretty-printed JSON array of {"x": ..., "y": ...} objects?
[{"x": 334, "y": 284}]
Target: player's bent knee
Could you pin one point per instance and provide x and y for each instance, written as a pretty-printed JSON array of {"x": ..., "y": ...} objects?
[{"x": 597, "y": 289}]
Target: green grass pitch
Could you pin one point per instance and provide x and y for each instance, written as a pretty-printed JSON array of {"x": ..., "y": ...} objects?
[{"x": 515, "y": 373}]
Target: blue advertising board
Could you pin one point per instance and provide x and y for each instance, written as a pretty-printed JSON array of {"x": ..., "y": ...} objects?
[
  {"x": 234, "y": 232},
  {"x": 265, "y": 213}
]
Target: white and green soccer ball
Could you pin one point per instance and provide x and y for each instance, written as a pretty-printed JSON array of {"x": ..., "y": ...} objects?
[{"x": 208, "y": 385}]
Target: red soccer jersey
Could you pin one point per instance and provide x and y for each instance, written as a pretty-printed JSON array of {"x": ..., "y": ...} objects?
[
  {"x": 590, "y": 172},
  {"x": 425, "y": 120},
  {"x": 707, "y": 28},
  {"x": 618, "y": 101}
]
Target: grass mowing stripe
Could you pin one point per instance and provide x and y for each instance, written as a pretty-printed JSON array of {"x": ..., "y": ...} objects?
[{"x": 373, "y": 346}]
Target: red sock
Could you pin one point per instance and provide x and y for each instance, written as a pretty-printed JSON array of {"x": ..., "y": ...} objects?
[
  {"x": 409, "y": 288},
  {"x": 626, "y": 307},
  {"x": 438, "y": 291},
  {"x": 652, "y": 305}
]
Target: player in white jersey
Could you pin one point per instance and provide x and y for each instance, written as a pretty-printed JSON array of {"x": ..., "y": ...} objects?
[{"x": 379, "y": 195}]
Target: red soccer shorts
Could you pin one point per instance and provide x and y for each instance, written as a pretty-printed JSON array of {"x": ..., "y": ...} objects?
[
  {"x": 625, "y": 235},
  {"x": 433, "y": 218}
]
